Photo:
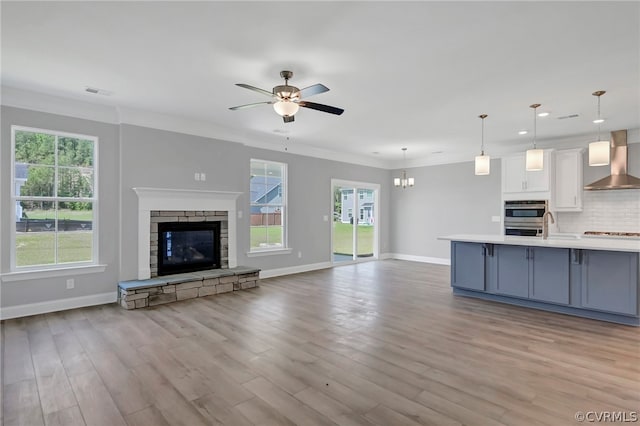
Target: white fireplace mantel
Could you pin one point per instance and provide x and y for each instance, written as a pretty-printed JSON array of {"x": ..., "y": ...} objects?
[{"x": 181, "y": 199}]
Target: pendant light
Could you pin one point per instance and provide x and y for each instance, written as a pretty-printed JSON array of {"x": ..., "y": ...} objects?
[
  {"x": 600, "y": 150},
  {"x": 535, "y": 156},
  {"x": 403, "y": 181},
  {"x": 483, "y": 162}
]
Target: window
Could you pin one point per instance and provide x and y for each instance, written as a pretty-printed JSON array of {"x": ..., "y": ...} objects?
[
  {"x": 54, "y": 193},
  {"x": 268, "y": 192}
]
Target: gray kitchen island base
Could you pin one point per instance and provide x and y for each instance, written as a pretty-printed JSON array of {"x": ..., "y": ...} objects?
[{"x": 588, "y": 278}]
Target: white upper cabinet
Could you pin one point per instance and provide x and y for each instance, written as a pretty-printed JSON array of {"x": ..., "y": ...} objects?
[
  {"x": 568, "y": 185},
  {"x": 516, "y": 180}
]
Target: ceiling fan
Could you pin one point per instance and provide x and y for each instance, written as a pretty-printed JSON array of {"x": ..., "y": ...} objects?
[{"x": 288, "y": 99}]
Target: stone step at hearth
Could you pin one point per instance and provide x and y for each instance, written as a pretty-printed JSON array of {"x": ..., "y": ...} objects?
[{"x": 135, "y": 294}]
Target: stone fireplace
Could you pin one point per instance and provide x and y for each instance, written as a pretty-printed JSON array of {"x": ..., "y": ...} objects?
[
  {"x": 157, "y": 205},
  {"x": 217, "y": 248}
]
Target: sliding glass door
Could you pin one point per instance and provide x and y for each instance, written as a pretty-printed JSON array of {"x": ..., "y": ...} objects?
[{"x": 355, "y": 228}]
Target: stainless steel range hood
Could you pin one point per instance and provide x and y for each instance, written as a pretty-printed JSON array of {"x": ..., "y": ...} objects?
[{"x": 618, "y": 179}]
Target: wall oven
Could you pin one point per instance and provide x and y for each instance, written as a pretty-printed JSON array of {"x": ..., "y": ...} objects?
[{"x": 524, "y": 218}]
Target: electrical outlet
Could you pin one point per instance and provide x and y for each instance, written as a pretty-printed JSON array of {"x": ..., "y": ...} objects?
[
  {"x": 299, "y": 255},
  {"x": 70, "y": 283},
  {"x": 325, "y": 218},
  {"x": 239, "y": 214},
  {"x": 203, "y": 177},
  {"x": 495, "y": 219}
]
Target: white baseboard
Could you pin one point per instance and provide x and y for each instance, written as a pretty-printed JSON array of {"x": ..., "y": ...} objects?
[
  {"x": 294, "y": 269},
  {"x": 57, "y": 305},
  {"x": 423, "y": 259}
]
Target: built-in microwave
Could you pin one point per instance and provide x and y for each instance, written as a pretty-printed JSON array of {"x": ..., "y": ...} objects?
[{"x": 524, "y": 218}]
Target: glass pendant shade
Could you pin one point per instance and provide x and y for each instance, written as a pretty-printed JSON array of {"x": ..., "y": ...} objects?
[
  {"x": 535, "y": 157},
  {"x": 483, "y": 165},
  {"x": 599, "y": 153},
  {"x": 483, "y": 162},
  {"x": 286, "y": 108},
  {"x": 534, "y": 160}
]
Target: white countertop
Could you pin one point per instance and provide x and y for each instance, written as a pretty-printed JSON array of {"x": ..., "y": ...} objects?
[{"x": 576, "y": 242}]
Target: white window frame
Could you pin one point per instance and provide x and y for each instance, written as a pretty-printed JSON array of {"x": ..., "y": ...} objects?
[
  {"x": 71, "y": 266},
  {"x": 284, "y": 189}
]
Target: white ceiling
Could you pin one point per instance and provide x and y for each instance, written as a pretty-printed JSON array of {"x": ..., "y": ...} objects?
[{"x": 413, "y": 74}]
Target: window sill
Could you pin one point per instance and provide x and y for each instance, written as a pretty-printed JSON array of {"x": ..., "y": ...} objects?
[
  {"x": 53, "y": 272},
  {"x": 269, "y": 252}
]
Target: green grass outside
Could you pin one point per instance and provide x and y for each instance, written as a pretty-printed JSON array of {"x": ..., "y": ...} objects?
[
  {"x": 38, "y": 248},
  {"x": 343, "y": 239},
  {"x": 62, "y": 214},
  {"x": 265, "y": 235}
]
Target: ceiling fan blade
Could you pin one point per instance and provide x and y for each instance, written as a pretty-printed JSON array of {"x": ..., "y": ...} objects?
[
  {"x": 320, "y": 107},
  {"x": 313, "y": 90},
  {"x": 251, "y": 105},
  {"x": 288, "y": 118},
  {"x": 255, "y": 89}
]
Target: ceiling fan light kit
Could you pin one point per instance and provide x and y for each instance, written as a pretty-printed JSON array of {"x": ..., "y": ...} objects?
[{"x": 287, "y": 99}]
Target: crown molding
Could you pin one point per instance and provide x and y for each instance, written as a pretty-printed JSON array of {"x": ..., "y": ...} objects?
[{"x": 37, "y": 101}]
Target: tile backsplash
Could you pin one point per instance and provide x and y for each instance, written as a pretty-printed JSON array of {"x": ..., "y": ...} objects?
[{"x": 613, "y": 211}]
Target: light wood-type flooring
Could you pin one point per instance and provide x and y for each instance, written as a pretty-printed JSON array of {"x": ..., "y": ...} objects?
[{"x": 379, "y": 343}]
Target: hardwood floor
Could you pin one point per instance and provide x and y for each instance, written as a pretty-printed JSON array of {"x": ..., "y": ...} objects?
[{"x": 380, "y": 343}]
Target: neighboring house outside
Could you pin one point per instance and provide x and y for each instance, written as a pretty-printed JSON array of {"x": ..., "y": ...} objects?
[
  {"x": 265, "y": 190},
  {"x": 22, "y": 171},
  {"x": 365, "y": 206}
]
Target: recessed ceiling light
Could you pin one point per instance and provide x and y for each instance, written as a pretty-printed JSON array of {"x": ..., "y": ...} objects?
[
  {"x": 543, "y": 114},
  {"x": 376, "y": 152},
  {"x": 598, "y": 120},
  {"x": 523, "y": 132},
  {"x": 437, "y": 152}
]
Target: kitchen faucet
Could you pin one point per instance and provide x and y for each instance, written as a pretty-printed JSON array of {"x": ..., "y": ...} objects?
[{"x": 545, "y": 224}]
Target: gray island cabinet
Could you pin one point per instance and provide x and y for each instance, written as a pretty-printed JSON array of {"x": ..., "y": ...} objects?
[{"x": 594, "y": 279}]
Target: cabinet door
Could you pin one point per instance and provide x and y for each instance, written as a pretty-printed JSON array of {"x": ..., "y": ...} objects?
[
  {"x": 512, "y": 270},
  {"x": 468, "y": 265},
  {"x": 610, "y": 281},
  {"x": 568, "y": 184},
  {"x": 550, "y": 274},
  {"x": 513, "y": 174}
]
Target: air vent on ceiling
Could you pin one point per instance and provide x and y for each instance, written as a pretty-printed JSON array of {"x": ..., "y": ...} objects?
[
  {"x": 96, "y": 91},
  {"x": 564, "y": 117}
]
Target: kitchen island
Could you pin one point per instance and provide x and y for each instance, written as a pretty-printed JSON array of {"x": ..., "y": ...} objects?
[{"x": 589, "y": 277}]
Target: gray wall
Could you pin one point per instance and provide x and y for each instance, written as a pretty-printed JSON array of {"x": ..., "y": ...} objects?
[
  {"x": 446, "y": 199},
  {"x": 41, "y": 290},
  {"x": 162, "y": 159}
]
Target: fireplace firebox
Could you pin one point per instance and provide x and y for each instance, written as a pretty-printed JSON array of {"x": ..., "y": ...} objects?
[{"x": 188, "y": 247}]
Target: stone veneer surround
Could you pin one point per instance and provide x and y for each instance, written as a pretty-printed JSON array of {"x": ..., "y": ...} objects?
[{"x": 162, "y": 216}]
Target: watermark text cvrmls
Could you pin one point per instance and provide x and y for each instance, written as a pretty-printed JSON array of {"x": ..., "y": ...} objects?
[{"x": 607, "y": 416}]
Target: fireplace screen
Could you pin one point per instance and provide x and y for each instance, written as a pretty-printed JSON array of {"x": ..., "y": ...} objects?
[{"x": 188, "y": 247}]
